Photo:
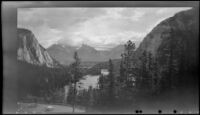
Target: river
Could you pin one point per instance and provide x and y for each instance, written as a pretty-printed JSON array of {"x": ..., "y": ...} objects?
[
  {"x": 84, "y": 83},
  {"x": 88, "y": 80}
]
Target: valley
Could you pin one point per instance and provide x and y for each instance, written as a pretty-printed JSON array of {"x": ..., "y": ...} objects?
[{"x": 160, "y": 72}]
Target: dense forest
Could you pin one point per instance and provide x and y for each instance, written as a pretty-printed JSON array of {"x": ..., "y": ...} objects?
[{"x": 41, "y": 81}]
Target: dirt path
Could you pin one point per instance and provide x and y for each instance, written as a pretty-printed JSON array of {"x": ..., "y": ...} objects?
[{"x": 45, "y": 108}]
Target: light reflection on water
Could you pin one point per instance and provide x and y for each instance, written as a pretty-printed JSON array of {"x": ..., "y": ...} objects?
[
  {"x": 84, "y": 83},
  {"x": 88, "y": 80}
]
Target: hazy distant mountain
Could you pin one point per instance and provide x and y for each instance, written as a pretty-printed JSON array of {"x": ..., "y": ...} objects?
[
  {"x": 64, "y": 53},
  {"x": 87, "y": 53},
  {"x": 30, "y": 51},
  {"x": 115, "y": 53}
]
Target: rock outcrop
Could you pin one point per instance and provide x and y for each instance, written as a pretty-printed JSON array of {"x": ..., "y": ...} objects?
[{"x": 30, "y": 51}]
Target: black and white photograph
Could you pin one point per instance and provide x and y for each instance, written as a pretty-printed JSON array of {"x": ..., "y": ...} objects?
[{"x": 101, "y": 59}]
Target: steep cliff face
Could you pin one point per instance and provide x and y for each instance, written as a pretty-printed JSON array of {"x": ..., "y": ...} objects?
[{"x": 29, "y": 50}]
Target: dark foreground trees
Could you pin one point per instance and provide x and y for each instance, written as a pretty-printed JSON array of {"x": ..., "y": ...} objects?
[{"x": 42, "y": 82}]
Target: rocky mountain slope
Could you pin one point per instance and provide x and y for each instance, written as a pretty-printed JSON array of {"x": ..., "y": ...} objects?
[
  {"x": 177, "y": 38},
  {"x": 181, "y": 27},
  {"x": 30, "y": 51}
]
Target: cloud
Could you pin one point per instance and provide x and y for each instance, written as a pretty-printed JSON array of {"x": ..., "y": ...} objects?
[{"x": 101, "y": 28}]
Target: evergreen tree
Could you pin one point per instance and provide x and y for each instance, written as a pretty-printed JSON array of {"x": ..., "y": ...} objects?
[
  {"x": 156, "y": 79},
  {"x": 70, "y": 96},
  {"x": 122, "y": 70},
  {"x": 91, "y": 97},
  {"x": 102, "y": 95},
  {"x": 101, "y": 82},
  {"x": 150, "y": 70},
  {"x": 76, "y": 75},
  {"x": 127, "y": 75},
  {"x": 173, "y": 62},
  {"x": 111, "y": 87},
  {"x": 143, "y": 84},
  {"x": 126, "y": 67}
]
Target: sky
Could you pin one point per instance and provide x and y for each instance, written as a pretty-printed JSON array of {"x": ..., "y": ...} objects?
[{"x": 102, "y": 28}]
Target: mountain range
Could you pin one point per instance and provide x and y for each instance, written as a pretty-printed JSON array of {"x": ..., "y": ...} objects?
[
  {"x": 64, "y": 53},
  {"x": 30, "y": 51}
]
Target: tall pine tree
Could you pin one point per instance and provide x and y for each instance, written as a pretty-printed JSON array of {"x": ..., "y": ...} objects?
[
  {"x": 111, "y": 84},
  {"x": 76, "y": 75},
  {"x": 127, "y": 65}
]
